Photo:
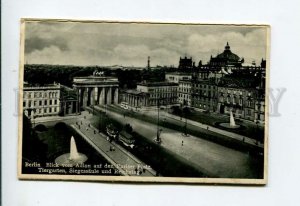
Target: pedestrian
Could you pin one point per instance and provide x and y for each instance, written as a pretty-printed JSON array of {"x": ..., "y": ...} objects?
[
  {"x": 94, "y": 131},
  {"x": 86, "y": 129},
  {"x": 207, "y": 127},
  {"x": 182, "y": 143}
]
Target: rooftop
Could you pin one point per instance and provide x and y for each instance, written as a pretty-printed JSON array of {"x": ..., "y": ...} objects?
[
  {"x": 133, "y": 91},
  {"x": 95, "y": 80},
  {"x": 157, "y": 84},
  {"x": 179, "y": 74},
  {"x": 27, "y": 86}
]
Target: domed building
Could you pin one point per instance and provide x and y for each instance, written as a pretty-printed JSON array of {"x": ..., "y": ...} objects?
[{"x": 227, "y": 58}]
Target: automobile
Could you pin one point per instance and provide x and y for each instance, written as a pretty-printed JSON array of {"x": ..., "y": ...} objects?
[{"x": 112, "y": 132}]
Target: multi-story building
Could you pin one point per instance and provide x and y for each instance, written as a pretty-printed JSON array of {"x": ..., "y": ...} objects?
[
  {"x": 68, "y": 101},
  {"x": 149, "y": 94},
  {"x": 41, "y": 100},
  {"x": 259, "y": 111},
  {"x": 162, "y": 93},
  {"x": 241, "y": 101},
  {"x": 134, "y": 98},
  {"x": 204, "y": 95},
  {"x": 226, "y": 58},
  {"x": 177, "y": 76},
  {"x": 186, "y": 63},
  {"x": 184, "y": 92}
]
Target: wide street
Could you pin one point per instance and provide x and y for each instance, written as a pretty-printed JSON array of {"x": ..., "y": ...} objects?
[
  {"x": 165, "y": 116},
  {"x": 213, "y": 159}
]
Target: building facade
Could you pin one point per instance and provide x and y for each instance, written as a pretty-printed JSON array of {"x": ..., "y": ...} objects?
[
  {"x": 149, "y": 94},
  {"x": 186, "y": 63},
  {"x": 41, "y": 101},
  {"x": 68, "y": 101},
  {"x": 226, "y": 58},
  {"x": 175, "y": 77},
  {"x": 134, "y": 98},
  {"x": 184, "y": 92},
  {"x": 96, "y": 90},
  {"x": 259, "y": 111},
  {"x": 204, "y": 95},
  {"x": 159, "y": 93},
  {"x": 241, "y": 101}
]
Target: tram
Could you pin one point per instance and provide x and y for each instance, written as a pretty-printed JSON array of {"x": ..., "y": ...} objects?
[{"x": 127, "y": 139}]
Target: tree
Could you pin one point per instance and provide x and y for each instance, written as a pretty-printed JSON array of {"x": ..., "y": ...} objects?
[{"x": 33, "y": 149}]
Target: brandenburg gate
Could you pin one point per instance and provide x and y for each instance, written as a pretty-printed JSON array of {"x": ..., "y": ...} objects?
[{"x": 96, "y": 90}]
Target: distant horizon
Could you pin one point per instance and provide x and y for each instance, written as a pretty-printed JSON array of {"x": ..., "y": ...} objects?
[
  {"x": 124, "y": 66},
  {"x": 106, "y": 66}
]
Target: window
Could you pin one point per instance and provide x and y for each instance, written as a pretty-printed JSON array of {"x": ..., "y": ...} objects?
[
  {"x": 50, "y": 110},
  {"x": 228, "y": 99},
  {"x": 24, "y": 104},
  {"x": 45, "y": 103},
  {"x": 29, "y": 103},
  {"x": 249, "y": 103},
  {"x": 240, "y": 101},
  {"x": 40, "y": 102},
  {"x": 50, "y": 103}
]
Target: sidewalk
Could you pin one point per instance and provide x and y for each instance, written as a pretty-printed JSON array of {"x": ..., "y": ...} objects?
[
  {"x": 118, "y": 157},
  {"x": 153, "y": 113},
  {"x": 55, "y": 118},
  {"x": 217, "y": 130}
]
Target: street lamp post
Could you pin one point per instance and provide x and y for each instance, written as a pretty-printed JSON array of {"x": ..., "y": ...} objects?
[
  {"x": 158, "y": 130},
  {"x": 185, "y": 126},
  {"x": 185, "y": 115}
]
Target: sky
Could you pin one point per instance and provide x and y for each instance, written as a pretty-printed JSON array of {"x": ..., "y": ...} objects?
[{"x": 130, "y": 44}]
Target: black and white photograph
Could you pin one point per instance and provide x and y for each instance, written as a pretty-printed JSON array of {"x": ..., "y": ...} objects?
[{"x": 143, "y": 102}]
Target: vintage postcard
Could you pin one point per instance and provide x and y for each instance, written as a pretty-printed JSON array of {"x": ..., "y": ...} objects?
[{"x": 143, "y": 102}]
